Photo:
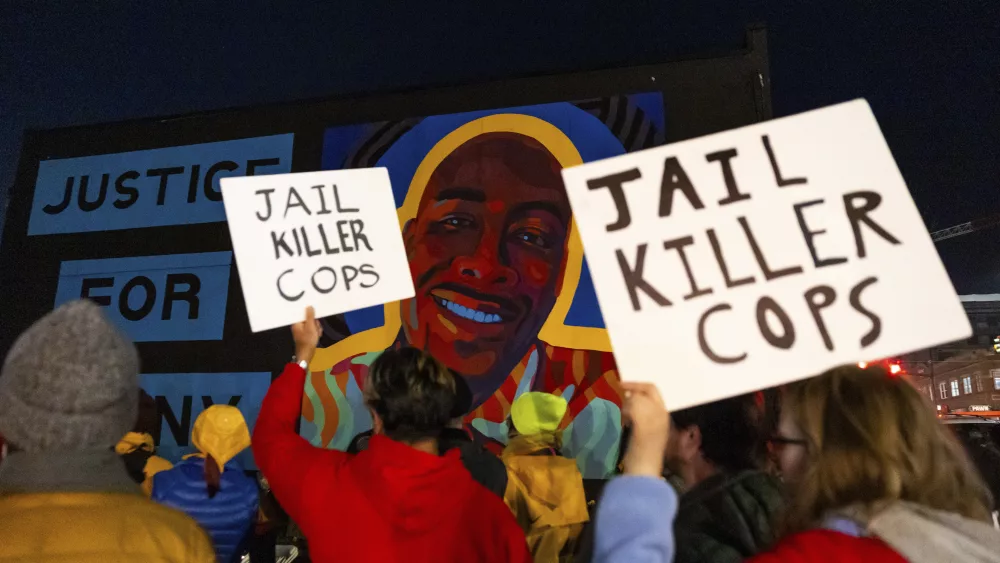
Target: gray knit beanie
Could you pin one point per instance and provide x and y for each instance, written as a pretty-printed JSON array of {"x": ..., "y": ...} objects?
[{"x": 69, "y": 382}]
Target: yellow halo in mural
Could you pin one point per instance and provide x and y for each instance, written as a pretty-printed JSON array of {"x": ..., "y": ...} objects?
[{"x": 554, "y": 332}]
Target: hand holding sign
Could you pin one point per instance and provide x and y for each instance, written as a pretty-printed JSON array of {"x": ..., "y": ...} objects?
[
  {"x": 327, "y": 238},
  {"x": 306, "y": 336},
  {"x": 644, "y": 413},
  {"x": 758, "y": 256}
]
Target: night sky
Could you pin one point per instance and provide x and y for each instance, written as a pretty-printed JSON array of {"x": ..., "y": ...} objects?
[{"x": 931, "y": 70}]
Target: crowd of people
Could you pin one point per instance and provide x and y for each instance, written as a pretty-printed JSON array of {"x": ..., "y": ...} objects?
[{"x": 853, "y": 466}]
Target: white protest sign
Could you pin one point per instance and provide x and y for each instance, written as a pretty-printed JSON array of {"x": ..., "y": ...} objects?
[
  {"x": 327, "y": 239},
  {"x": 759, "y": 256}
]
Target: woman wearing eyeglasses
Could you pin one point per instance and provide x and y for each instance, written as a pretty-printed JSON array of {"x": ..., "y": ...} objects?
[{"x": 873, "y": 476}]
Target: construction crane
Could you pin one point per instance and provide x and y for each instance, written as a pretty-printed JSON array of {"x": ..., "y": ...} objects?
[{"x": 966, "y": 228}]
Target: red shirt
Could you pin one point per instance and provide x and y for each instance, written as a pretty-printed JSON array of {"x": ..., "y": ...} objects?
[
  {"x": 827, "y": 546},
  {"x": 388, "y": 503}
]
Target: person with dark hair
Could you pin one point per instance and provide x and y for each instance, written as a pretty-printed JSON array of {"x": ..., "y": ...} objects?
[
  {"x": 136, "y": 448},
  {"x": 398, "y": 500},
  {"x": 210, "y": 486},
  {"x": 69, "y": 389},
  {"x": 485, "y": 468},
  {"x": 728, "y": 511}
]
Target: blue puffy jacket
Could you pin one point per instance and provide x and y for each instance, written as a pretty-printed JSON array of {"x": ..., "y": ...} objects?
[{"x": 228, "y": 517}]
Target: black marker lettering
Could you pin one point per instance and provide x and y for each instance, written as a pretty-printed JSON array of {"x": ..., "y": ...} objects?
[
  {"x": 717, "y": 250},
  {"x": 336, "y": 200},
  {"x": 333, "y": 283},
  {"x": 284, "y": 295},
  {"x": 357, "y": 235},
  {"x": 305, "y": 244},
  {"x": 724, "y": 158},
  {"x": 761, "y": 261},
  {"x": 369, "y": 270},
  {"x": 614, "y": 183},
  {"x": 267, "y": 203},
  {"x": 279, "y": 243},
  {"x": 787, "y": 338},
  {"x": 322, "y": 201},
  {"x": 810, "y": 235},
  {"x": 876, "y": 329},
  {"x": 678, "y": 245},
  {"x": 634, "y": 281},
  {"x": 674, "y": 178},
  {"x": 349, "y": 273},
  {"x": 343, "y": 236},
  {"x": 774, "y": 166},
  {"x": 827, "y": 296},
  {"x": 858, "y": 213},
  {"x": 289, "y": 204},
  {"x": 703, "y": 341},
  {"x": 326, "y": 243}
]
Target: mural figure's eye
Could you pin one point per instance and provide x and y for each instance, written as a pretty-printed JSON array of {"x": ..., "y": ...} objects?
[
  {"x": 456, "y": 222},
  {"x": 533, "y": 237}
]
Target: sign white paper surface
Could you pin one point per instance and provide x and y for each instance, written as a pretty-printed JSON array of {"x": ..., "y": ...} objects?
[
  {"x": 327, "y": 239},
  {"x": 759, "y": 256}
]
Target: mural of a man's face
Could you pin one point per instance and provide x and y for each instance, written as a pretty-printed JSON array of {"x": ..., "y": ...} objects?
[{"x": 487, "y": 251}]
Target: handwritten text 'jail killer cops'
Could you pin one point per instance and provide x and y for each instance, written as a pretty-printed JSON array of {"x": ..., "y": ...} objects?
[
  {"x": 325, "y": 238},
  {"x": 857, "y": 205}
]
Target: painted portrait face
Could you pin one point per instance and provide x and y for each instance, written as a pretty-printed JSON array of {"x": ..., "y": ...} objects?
[{"x": 487, "y": 250}]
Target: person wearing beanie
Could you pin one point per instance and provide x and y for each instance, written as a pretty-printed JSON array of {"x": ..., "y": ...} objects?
[
  {"x": 485, "y": 468},
  {"x": 544, "y": 490},
  {"x": 136, "y": 448},
  {"x": 68, "y": 393},
  {"x": 210, "y": 486}
]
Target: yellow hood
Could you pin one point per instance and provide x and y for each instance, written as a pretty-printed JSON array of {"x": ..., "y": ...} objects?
[
  {"x": 543, "y": 490},
  {"x": 134, "y": 441},
  {"x": 221, "y": 432},
  {"x": 537, "y": 413}
]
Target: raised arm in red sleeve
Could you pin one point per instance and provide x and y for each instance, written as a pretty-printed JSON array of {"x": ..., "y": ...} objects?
[{"x": 285, "y": 458}]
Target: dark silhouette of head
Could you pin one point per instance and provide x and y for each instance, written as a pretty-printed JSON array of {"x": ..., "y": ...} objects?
[{"x": 410, "y": 394}]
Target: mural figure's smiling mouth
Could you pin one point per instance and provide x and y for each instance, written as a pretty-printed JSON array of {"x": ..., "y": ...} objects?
[{"x": 468, "y": 304}]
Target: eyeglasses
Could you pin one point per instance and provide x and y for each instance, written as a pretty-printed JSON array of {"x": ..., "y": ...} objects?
[{"x": 786, "y": 441}]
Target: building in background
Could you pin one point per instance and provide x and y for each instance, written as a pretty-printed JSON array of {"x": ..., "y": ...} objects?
[{"x": 962, "y": 376}]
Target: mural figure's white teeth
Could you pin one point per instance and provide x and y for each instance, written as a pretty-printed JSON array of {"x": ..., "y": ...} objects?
[{"x": 471, "y": 314}]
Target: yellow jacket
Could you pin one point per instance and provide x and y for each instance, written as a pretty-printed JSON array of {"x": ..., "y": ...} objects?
[
  {"x": 136, "y": 444},
  {"x": 82, "y": 506},
  {"x": 97, "y": 527},
  {"x": 545, "y": 492}
]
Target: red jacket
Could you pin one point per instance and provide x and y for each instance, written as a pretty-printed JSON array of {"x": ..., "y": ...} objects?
[
  {"x": 388, "y": 503},
  {"x": 827, "y": 546}
]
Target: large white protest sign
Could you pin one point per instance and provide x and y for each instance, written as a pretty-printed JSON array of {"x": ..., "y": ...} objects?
[
  {"x": 327, "y": 239},
  {"x": 762, "y": 255}
]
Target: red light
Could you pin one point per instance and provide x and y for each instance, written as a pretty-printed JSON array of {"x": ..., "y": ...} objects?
[
  {"x": 894, "y": 369},
  {"x": 862, "y": 365}
]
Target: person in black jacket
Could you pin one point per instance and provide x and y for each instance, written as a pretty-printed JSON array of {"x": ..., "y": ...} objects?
[
  {"x": 485, "y": 468},
  {"x": 728, "y": 510}
]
